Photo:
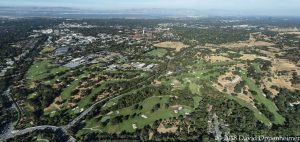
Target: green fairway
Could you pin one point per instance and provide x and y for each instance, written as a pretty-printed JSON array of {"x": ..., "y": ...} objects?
[
  {"x": 262, "y": 99},
  {"x": 197, "y": 100},
  {"x": 38, "y": 69},
  {"x": 194, "y": 88},
  {"x": 162, "y": 113},
  {"x": 256, "y": 112},
  {"x": 66, "y": 94},
  {"x": 86, "y": 101},
  {"x": 41, "y": 68},
  {"x": 158, "y": 52}
]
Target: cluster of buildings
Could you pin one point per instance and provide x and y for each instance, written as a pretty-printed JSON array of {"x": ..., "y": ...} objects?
[
  {"x": 8, "y": 65},
  {"x": 75, "y": 25},
  {"x": 98, "y": 57},
  {"x": 64, "y": 41},
  {"x": 108, "y": 38},
  {"x": 10, "y": 62}
]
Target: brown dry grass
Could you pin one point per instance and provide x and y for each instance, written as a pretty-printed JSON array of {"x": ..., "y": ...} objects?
[
  {"x": 267, "y": 84},
  {"x": 283, "y": 81},
  {"x": 246, "y": 98},
  {"x": 156, "y": 82},
  {"x": 284, "y": 65},
  {"x": 169, "y": 44},
  {"x": 227, "y": 86},
  {"x": 242, "y": 44},
  {"x": 162, "y": 129},
  {"x": 249, "y": 57},
  {"x": 54, "y": 104},
  {"x": 175, "y": 84},
  {"x": 214, "y": 59}
]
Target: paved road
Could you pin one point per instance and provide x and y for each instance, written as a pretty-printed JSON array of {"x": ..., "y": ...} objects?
[
  {"x": 85, "y": 112},
  {"x": 10, "y": 126},
  {"x": 9, "y": 132},
  {"x": 36, "y": 128}
]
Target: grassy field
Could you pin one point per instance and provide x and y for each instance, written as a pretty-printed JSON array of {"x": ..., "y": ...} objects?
[
  {"x": 66, "y": 93},
  {"x": 256, "y": 67},
  {"x": 195, "y": 89},
  {"x": 158, "y": 53},
  {"x": 38, "y": 69},
  {"x": 197, "y": 100},
  {"x": 41, "y": 68}
]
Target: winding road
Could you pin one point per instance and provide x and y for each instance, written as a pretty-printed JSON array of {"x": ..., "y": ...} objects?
[
  {"x": 13, "y": 133},
  {"x": 86, "y": 111}
]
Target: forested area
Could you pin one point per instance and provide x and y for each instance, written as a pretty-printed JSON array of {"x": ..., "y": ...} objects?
[{"x": 212, "y": 35}]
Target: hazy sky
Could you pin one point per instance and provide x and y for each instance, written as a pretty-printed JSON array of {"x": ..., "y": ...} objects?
[{"x": 265, "y": 6}]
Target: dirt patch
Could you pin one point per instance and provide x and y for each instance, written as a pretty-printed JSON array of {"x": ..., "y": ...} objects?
[
  {"x": 214, "y": 59},
  {"x": 227, "y": 82},
  {"x": 57, "y": 100},
  {"x": 156, "y": 82},
  {"x": 268, "y": 85},
  {"x": 176, "y": 45},
  {"x": 281, "y": 80},
  {"x": 175, "y": 84},
  {"x": 246, "y": 98},
  {"x": 167, "y": 127},
  {"x": 71, "y": 105}
]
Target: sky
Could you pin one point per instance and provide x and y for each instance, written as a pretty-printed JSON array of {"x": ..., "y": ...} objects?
[{"x": 252, "y": 6}]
